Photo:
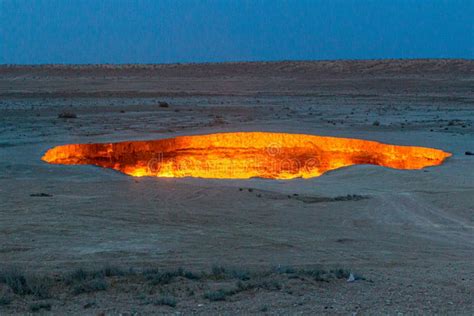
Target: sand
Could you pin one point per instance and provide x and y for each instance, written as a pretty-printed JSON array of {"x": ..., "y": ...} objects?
[{"x": 412, "y": 237}]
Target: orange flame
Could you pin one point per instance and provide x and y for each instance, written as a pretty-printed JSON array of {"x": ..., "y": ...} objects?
[{"x": 243, "y": 155}]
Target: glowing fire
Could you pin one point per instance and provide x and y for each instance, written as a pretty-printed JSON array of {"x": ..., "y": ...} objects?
[{"x": 243, "y": 155}]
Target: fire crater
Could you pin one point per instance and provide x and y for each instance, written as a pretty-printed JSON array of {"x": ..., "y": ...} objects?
[{"x": 243, "y": 155}]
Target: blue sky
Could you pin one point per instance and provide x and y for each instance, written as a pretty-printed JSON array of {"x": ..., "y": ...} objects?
[{"x": 167, "y": 31}]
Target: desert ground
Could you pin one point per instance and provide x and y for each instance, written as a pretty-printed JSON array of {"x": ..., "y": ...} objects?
[{"x": 89, "y": 240}]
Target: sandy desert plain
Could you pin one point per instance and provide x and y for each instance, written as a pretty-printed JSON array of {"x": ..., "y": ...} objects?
[{"x": 90, "y": 240}]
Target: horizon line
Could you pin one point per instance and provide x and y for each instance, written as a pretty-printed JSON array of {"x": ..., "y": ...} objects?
[{"x": 237, "y": 62}]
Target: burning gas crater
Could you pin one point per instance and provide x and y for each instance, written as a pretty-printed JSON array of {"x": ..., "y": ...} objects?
[{"x": 243, "y": 155}]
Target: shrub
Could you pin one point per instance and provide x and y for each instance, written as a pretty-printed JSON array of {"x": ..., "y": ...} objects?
[
  {"x": 240, "y": 274},
  {"x": 269, "y": 285},
  {"x": 35, "y": 307},
  {"x": 23, "y": 284},
  {"x": 67, "y": 115},
  {"x": 191, "y": 275},
  {"x": 166, "y": 300},
  {"x": 5, "y": 299},
  {"x": 157, "y": 277},
  {"x": 110, "y": 271},
  {"x": 81, "y": 274},
  {"x": 40, "y": 286},
  {"x": 341, "y": 273},
  {"x": 77, "y": 275},
  {"x": 316, "y": 274},
  {"x": 215, "y": 296},
  {"x": 90, "y": 286},
  {"x": 219, "y": 273}
]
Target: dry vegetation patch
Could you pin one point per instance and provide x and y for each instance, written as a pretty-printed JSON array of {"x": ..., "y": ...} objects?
[{"x": 154, "y": 286}]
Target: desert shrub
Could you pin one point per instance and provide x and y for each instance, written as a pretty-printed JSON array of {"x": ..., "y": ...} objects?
[
  {"x": 90, "y": 286},
  {"x": 42, "y": 194},
  {"x": 240, "y": 274},
  {"x": 5, "y": 299},
  {"x": 39, "y": 286},
  {"x": 67, "y": 115},
  {"x": 214, "y": 296},
  {"x": 350, "y": 197},
  {"x": 36, "y": 307},
  {"x": 16, "y": 280},
  {"x": 340, "y": 273},
  {"x": 269, "y": 285},
  {"x": 81, "y": 274},
  {"x": 316, "y": 274},
  {"x": 191, "y": 275},
  {"x": 77, "y": 275},
  {"x": 158, "y": 277},
  {"x": 166, "y": 300},
  {"x": 111, "y": 271},
  {"x": 242, "y": 286},
  {"x": 89, "y": 304},
  {"x": 325, "y": 276},
  {"x": 25, "y": 284},
  {"x": 219, "y": 273},
  {"x": 161, "y": 278}
]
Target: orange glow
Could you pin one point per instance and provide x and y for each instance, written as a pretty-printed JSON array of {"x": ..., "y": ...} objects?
[{"x": 243, "y": 155}]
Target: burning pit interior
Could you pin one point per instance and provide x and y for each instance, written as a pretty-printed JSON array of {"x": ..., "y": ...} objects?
[{"x": 243, "y": 155}]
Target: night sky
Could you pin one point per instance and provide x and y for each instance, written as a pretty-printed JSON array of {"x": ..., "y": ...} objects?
[{"x": 169, "y": 31}]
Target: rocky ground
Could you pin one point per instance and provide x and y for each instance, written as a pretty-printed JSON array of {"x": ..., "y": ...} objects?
[{"x": 86, "y": 240}]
